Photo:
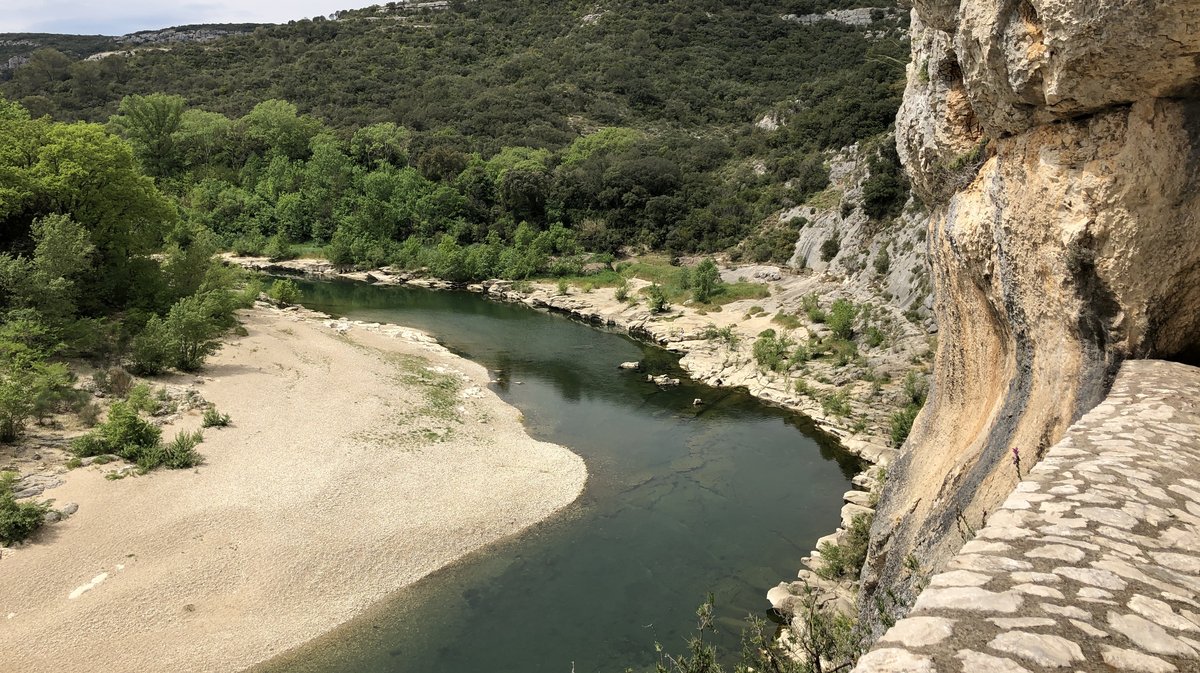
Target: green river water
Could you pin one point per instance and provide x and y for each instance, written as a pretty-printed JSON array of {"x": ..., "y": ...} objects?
[{"x": 681, "y": 500}]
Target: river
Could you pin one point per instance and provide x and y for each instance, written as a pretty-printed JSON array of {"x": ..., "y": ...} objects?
[{"x": 681, "y": 500}]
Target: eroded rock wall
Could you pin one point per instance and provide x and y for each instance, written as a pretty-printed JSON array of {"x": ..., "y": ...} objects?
[{"x": 1057, "y": 143}]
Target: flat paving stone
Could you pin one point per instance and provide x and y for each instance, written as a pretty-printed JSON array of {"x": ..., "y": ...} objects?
[{"x": 1091, "y": 563}]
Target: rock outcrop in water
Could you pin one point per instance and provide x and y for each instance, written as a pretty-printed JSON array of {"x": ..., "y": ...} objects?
[{"x": 1057, "y": 144}]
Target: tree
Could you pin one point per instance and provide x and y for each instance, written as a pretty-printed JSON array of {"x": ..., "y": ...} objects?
[
  {"x": 150, "y": 123},
  {"x": 706, "y": 280},
  {"x": 376, "y": 144},
  {"x": 275, "y": 126},
  {"x": 82, "y": 171}
]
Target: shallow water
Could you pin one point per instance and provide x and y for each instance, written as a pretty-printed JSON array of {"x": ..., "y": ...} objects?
[{"x": 681, "y": 500}]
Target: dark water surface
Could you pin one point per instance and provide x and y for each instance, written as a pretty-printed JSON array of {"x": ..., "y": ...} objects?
[{"x": 681, "y": 500}]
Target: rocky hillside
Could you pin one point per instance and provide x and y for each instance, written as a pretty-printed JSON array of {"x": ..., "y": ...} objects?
[{"x": 1058, "y": 144}]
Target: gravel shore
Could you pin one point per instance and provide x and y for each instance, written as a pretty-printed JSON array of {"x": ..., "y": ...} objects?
[{"x": 361, "y": 458}]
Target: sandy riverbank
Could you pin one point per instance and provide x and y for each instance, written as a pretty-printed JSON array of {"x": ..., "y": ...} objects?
[{"x": 348, "y": 474}]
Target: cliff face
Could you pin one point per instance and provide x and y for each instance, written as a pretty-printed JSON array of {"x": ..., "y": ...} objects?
[{"x": 1057, "y": 143}]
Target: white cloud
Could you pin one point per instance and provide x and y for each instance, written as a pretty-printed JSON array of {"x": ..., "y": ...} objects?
[{"x": 126, "y": 16}]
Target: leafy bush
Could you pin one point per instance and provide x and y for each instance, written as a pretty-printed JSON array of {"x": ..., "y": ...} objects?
[
  {"x": 812, "y": 308},
  {"x": 707, "y": 281},
  {"x": 901, "y": 422},
  {"x": 180, "y": 453},
  {"x": 841, "y": 318},
  {"x": 17, "y": 520},
  {"x": 836, "y": 403},
  {"x": 284, "y": 291},
  {"x": 127, "y": 434},
  {"x": 279, "y": 248},
  {"x": 141, "y": 399},
  {"x": 150, "y": 352},
  {"x": 846, "y": 560},
  {"x": 214, "y": 419},
  {"x": 830, "y": 247},
  {"x": 916, "y": 390},
  {"x": 658, "y": 299},
  {"x": 30, "y": 387},
  {"x": 771, "y": 351},
  {"x": 883, "y": 261}
]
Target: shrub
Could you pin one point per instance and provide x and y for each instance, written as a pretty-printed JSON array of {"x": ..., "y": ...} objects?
[
  {"x": 841, "y": 318},
  {"x": 30, "y": 387},
  {"x": 18, "y": 520},
  {"x": 622, "y": 292},
  {"x": 141, "y": 399},
  {"x": 113, "y": 381},
  {"x": 563, "y": 287},
  {"x": 89, "y": 414},
  {"x": 812, "y": 307},
  {"x": 179, "y": 454},
  {"x": 830, "y": 248},
  {"x": 771, "y": 351},
  {"x": 125, "y": 433},
  {"x": 901, "y": 423},
  {"x": 836, "y": 403},
  {"x": 706, "y": 281},
  {"x": 193, "y": 325},
  {"x": 658, "y": 299},
  {"x": 150, "y": 351},
  {"x": 252, "y": 244},
  {"x": 279, "y": 248},
  {"x": 846, "y": 559},
  {"x": 284, "y": 291},
  {"x": 215, "y": 419},
  {"x": 883, "y": 261}
]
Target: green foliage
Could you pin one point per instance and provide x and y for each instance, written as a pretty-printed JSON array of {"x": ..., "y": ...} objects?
[
  {"x": 772, "y": 351},
  {"x": 284, "y": 291},
  {"x": 830, "y": 248},
  {"x": 30, "y": 386},
  {"x": 215, "y": 419},
  {"x": 883, "y": 261},
  {"x": 811, "y": 305},
  {"x": 17, "y": 520},
  {"x": 829, "y": 641},
  {"x": 846, "y": 560},
  {"x": 707, "y": 281},
  {"x": 886, "y": 188},
  {"x": 141, "y": 399},
  {"x": 841, "y": 318},
  {"x": 900, "y": 423},
  {"x": 916, "y": 389},
  {"x": 725, "y": 334},
  {"x": 657, "y": 299},
  {"x": 622, "y": 292},
  {"x": 279, "y": 248},
  {"x": 836, "y": 403},
  {"x": 178, "y": 454}
]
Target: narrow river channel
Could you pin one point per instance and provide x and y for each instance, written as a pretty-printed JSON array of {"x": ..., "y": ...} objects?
[{"x": 682, "y": 500}]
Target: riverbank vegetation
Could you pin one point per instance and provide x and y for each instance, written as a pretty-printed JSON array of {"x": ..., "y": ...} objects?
[
  {"x": 97, "y": 264},
  {"x": 497, "y": 139}
]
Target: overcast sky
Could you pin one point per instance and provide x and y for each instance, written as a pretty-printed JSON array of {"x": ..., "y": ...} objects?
[{"x": 117, "y": 17}]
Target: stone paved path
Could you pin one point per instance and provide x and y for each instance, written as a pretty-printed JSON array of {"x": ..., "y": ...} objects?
[{"x": 1093, "y": 562}]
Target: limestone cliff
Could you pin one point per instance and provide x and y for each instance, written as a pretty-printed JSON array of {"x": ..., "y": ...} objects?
[{"x": 1057, "y": 144}]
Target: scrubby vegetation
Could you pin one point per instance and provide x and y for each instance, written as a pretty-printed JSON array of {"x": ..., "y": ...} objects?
[
  {"x": 845, "y": 560},
  {"x": 916, "y": 389},
  {"x": 18, "y": 520}
]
